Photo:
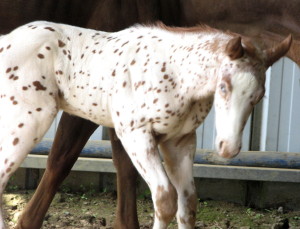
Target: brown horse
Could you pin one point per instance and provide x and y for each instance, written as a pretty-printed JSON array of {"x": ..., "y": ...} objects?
[
  {"x": 271, "y": 24},
  {"x": 268, "y": 21}
]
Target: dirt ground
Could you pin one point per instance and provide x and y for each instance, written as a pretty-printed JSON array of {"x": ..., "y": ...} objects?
[{"x": 97, "y": 210}]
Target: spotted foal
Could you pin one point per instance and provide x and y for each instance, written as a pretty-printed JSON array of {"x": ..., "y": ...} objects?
[{"x": 154, "y": 85}]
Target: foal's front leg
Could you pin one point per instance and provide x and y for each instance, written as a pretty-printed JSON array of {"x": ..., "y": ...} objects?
[
  {"x": 126, "y": 215},
  {"x": 178, "y": 156},
  {"x": 142, "y": 149}
]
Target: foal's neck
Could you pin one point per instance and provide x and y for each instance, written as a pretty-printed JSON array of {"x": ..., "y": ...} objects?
[{"x": 196, "y": 59}]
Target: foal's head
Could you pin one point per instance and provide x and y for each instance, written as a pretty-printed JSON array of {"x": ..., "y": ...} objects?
[{"x": 240, "y": 86}]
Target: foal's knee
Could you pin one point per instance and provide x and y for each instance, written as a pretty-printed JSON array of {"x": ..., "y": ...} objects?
[{"x": 166, "y": 203}]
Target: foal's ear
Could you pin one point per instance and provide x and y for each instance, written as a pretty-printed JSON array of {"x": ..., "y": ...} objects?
[
  {"x": 275, "y": 53},
  {"x": 234, "y": 48}
]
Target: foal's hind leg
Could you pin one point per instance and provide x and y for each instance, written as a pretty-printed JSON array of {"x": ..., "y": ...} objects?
[
  {"x": 179, "y": 157},
  {"x": 71, "y": 136},
  {"x": 21, "y": 129}
]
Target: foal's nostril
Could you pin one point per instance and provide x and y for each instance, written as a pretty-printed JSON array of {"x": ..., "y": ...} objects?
[{"x": 221, "y": 144}]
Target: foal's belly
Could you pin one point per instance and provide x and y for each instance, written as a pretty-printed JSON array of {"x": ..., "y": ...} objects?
[
  {"x": 99, "y": 118},
  {"x": 96, "y": 110}
]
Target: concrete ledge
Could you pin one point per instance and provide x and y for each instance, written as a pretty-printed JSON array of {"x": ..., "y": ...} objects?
[
  {"x": 200, "y": 170},
  {"x": 82, "y": 164},
  {"x": 247, "y": 173}
]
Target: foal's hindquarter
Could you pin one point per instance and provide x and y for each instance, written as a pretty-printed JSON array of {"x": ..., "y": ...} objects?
[{"x": 154, "y": 86}]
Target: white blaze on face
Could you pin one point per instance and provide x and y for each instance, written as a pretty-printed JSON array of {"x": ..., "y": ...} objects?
[{"x": 234, "y": 99}]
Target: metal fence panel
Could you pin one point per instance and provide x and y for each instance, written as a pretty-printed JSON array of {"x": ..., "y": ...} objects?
[{"x": 281, "y": 108}]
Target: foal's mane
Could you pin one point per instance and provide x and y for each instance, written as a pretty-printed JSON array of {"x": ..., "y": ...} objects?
[{"x": 194, "y": 29}]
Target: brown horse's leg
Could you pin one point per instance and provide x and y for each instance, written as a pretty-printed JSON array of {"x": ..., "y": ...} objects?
[
  {"x": 126, "y": 185},
  {"x": 71, "y": 136}
]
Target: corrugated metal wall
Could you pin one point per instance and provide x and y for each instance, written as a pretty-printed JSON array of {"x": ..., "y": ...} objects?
[
  {"x": 275, "y": 124},
  {"x": 280, "y": 129}
]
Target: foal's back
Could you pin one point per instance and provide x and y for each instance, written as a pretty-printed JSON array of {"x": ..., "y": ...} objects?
[{"x": 82, "y": 70}]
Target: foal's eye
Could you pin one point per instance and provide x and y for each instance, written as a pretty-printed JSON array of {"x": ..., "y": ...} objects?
[{"x": 223, "y": 88}]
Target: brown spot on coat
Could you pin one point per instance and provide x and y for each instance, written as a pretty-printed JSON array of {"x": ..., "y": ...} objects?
[
  {"x": 166, "y": 202},
  {"x": 192, "y": 206},
  {"x": 61, "y": 44},
  {"x": 38, "y": 86},
  {"x": 15, "y": 141},
  {"x": 144, "y": 170},
  {"x": 125, "y": 43},
  {"x": 50, "y": 29},
  {"x": 41, "y": 56},
  {"x": 163, "y": 69}
]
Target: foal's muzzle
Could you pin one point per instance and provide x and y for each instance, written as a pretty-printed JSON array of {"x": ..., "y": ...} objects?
[{"x": 227, "y": 151}]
